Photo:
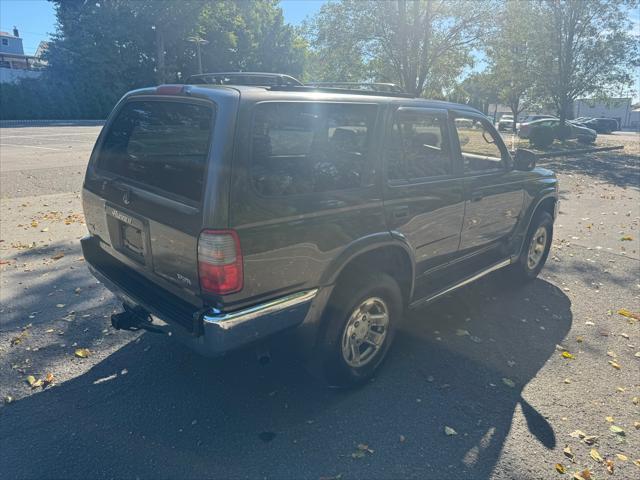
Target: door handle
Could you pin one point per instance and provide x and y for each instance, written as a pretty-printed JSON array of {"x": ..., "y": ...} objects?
[{"x": 401, "y": 212}]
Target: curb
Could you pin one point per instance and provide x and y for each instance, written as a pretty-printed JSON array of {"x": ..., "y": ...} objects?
[{"x": 47, "y": 123}]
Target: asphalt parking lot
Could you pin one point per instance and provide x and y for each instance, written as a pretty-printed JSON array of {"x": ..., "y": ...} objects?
[{"x": 485, "y": 361}]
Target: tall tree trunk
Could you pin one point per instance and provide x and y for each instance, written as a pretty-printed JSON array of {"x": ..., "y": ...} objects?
[{"x": 160, "y": 67}]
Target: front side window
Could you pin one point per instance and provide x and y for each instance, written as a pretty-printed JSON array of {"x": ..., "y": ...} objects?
[
  {"x": 310, "y": 147},
  {"x": 160, "y": 144},
  {"x": 478, "y": 145},
  {"x": 418, "y": 146}
]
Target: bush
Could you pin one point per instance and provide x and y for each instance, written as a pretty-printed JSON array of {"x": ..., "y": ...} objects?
[
  {"x": 562, "y": 132},
  {"x": 542, "y": 136}
]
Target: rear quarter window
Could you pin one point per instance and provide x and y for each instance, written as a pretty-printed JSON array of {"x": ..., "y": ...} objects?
[
  {"x": 310, "y": 147},
  {"x": 161, "y": 145}
]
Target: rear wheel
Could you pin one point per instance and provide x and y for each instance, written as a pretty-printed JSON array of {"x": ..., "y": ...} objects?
[
  {"x": 535, "y": 249},
  {"x": 361, "y": 322}
]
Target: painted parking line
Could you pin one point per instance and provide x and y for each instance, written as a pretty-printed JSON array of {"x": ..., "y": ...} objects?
[{"x": 31, "y": 146}]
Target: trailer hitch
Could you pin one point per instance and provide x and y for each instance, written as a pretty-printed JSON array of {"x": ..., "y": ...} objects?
[{"x": 133, "y": 319}]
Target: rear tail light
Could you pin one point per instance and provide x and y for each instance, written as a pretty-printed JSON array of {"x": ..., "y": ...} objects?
[{"x": 219, "y": 262}]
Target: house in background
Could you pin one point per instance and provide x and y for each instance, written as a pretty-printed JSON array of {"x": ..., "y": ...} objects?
[
  {"x": 617, "y": 108},
  {"x": 14, "y": 64}
]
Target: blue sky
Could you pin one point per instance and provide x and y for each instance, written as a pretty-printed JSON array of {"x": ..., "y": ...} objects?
[{"x": 36, "y": 19}]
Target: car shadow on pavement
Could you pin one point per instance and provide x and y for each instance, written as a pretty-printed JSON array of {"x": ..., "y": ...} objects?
[{"x": 153, "y": 409}]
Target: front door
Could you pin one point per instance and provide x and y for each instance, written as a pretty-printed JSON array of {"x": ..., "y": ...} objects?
[
  {"x": 493, "y": 190},
  {"x": 424, "y": 190}
]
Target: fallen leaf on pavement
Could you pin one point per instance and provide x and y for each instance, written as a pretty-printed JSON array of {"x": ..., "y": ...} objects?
[
  {"x": 629, "y": 314},
  {"x": 609, "y": 419},
  {"x": 615, "y": 365},
  {"x": 617, "y": 430},
  {"x": 621, "y": 457},
  {"x": 635, "y": 400},
  {"x": 636, "y": 463},
  {"x": 449, "y": 431},
  {"x": 560, "y": 468},
  {"x": 626, "y": 238},
  {"x": 82, "y": 352},
  {"x": 636, "y": 425},
  {"x": 566, "y": 354},
  {"x": 461, "y": 333},
  {"x": 590, "y": 439},
  {"x": 48, "y": 380},
  {"x": 610, "y": 466},
  {"x": 60, "y": 305},
  {"x": 58, "y": 256},
  {"x": 402, "y": 438},
  {"x": 33, "y": 383},
  {"x": 8, "y": 399},
  {"x": 364, "y": 447},
  {"x": 508, "y": 382},
  {"x": 596, "y": 455},
  {"x": 17, "y": 340},
  {"x": 578, "y": 434},
  {"x": 569, "y": 454},
  {"x": 583, "y": 475}
]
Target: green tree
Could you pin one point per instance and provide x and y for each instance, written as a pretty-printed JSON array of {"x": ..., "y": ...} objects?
[
  {"x": 585, "y": 48},
  {"x": 423, "y": 45},
  {"x": 512, "y": 56}
]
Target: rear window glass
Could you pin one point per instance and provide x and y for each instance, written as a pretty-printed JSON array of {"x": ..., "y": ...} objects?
[
  {"x": 160, "y": 144},
  {"x": 311, "y": 147}
]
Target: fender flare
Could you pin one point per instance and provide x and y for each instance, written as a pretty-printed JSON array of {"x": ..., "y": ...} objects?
[
  {"x": 364, "y": 245},
  {"x": 533, "y": 208}
]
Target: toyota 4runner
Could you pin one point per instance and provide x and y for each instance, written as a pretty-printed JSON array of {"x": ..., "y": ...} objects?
[{"x": 225, "y": 214}]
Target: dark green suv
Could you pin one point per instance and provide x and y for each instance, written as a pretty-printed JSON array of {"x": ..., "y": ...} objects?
[{"x": 227, "y": 214}]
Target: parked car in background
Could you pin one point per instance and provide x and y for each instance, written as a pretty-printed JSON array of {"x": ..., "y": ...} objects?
[
  {"x": 579, "y": 132},
  {"x": 233, "y": 213},
  {"x": 601, "y": 125},
  {"x": 533, "y": 118},
  {"x": 505, "y": 123}
]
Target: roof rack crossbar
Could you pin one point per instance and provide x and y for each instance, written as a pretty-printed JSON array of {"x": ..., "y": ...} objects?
[
  {"x": 261, "y": 79},
  {"x": 311, "y": 88}
]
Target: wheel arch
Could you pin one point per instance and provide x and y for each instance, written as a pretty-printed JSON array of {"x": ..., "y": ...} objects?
[{"x": 546, "y": 202}]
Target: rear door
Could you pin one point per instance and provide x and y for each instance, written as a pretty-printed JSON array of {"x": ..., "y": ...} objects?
[
  {"x": 493, "y": 190},
  {"x": 149, "y": 170},
  {"x": 424, "y": 190}
]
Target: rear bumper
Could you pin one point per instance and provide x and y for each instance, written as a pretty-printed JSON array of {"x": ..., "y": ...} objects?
[{"x": 213, "y": 332}]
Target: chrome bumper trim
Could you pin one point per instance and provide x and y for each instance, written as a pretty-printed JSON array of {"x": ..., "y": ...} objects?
[{"x": 227, "y": 321}]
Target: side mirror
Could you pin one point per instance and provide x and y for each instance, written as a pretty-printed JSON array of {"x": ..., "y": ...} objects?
[{"x": 525, "y": 159}]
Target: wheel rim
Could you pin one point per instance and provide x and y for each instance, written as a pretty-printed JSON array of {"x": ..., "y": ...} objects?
[
  {"x": 365, "y": 332},
  {"x": 537, "y": 248}
]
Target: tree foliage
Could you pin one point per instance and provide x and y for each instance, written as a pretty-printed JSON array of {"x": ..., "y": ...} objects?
[
  {"x": 423, "y": 45},
  {"x": 585, "y": 48},
  {"x": 105, "y": 48}
]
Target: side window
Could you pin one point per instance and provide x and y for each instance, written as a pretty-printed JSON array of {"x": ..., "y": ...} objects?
[
  {"x": 480, "y": 151},
  {"x": 418, "y": 146},
  {"x": 311, "y": 147}
]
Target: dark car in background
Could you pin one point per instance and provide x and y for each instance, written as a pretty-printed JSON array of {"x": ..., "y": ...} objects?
[
  {"x": 578, "y": 131},
  {"x": 601, "y": 125},
  {"x": 225, "y": 214}
]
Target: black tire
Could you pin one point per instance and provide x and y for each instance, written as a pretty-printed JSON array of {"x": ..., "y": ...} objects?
[
  {"x": 348, "y": 296},
  {"x": 522, "y": 271}
]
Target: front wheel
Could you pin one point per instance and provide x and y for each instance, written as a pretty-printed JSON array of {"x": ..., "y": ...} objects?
[
  {"x": 535, "y": 249},
  {"x": 361, "y": 322}
]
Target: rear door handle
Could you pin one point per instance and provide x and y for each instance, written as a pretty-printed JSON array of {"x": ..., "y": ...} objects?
[{"x": 401, "y": 212}]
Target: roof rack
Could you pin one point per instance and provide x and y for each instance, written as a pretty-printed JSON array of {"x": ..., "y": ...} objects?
[
  {"x": 281, "y": 82},
  {"x": 310, "y": 88},
  {"x": 367, "y": 86},
  {"x": 258, "y": 79}
]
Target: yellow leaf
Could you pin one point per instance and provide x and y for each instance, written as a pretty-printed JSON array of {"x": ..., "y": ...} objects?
[
  {"x": 636, "y": 425},
  {"x": 34, "y": 223},
  {"x": 566, "y": 354},
  {"x": 635, "y": 400},
  {"x": 31, "y": 380},
  {"x": 626, "y": 238},
  {"x": 609, "y": 419},
  {"x": 449, "y": 431},
  {"x": 82, "y": 352},
  {"x": 560, "y": 468},
  {"x": 621, "y": 457},
  {"x": 610, "y": 466},
  {"x": 596, "y": 455},
  {"x": 48, "y": 379},
  {"x": 615, "y": 365},
  {"x": 569, "y": 454},
  {"x": 617, "y": 430},
  {"x": 629, "y": 314},
  {"x": 636, "y": 463}
]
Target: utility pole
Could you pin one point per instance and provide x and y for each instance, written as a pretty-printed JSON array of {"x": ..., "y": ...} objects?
[{"x": 198, "y": 41}]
